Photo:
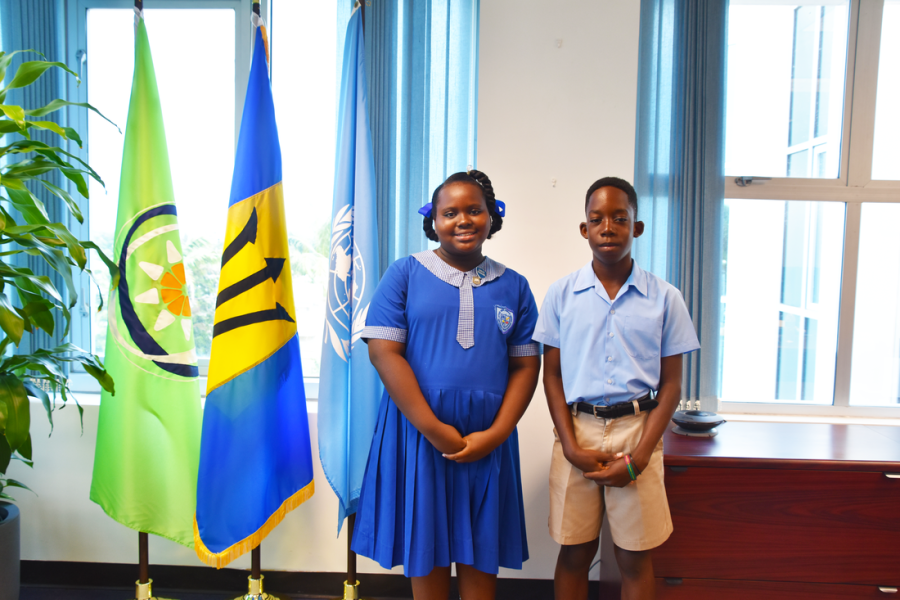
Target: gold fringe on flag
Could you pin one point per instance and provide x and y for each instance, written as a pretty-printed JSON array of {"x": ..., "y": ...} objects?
[
  {"x": 221, "y": 559},
  {"x": 265, "y": 42}
]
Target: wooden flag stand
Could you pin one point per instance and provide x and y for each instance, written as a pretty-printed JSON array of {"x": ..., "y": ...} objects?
[
  {"x": 144, "y": 583},
  {"x": 255, "y": 581}
]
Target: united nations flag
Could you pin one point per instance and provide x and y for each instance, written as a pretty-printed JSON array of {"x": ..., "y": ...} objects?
[
  {"x": 349, "y": 388},
  {"x": 255, "y": 458}
]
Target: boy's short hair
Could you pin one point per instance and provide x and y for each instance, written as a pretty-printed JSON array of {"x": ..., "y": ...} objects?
[{"x": 617, "y": 183}]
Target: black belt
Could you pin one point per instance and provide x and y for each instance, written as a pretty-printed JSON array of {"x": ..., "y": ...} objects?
[{"x": 644, "y": 404}]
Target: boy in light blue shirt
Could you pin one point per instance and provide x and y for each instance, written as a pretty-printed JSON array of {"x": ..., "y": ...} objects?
[{"x": 614, "y": 336}]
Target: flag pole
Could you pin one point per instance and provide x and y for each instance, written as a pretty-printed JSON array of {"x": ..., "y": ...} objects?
[
  {"x": 255, "y": 580},
  {"x": 143, "y": 558},
  {"x": 351, "y": 585},
  {"x": 144, "y": 584}
]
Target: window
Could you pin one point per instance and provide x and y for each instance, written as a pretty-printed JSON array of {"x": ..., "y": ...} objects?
[
  {"x": 304, "y": 88},
  {"x": 886, "y": 155},
  {"x": 202, "y": 110},
  {"x": 811, "y": 293},
  {"x": 198, "y": 112}
]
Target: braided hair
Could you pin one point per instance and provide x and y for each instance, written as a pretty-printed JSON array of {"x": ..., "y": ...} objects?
[{"x": 472, "y": 177}]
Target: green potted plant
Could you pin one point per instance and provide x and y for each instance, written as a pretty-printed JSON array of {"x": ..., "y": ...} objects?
[{"x": 30, "y": 301}]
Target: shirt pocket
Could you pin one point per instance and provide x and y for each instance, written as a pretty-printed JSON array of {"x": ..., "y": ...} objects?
[{"x": 643, "y": 337}]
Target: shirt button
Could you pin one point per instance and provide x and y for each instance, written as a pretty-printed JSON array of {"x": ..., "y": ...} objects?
[
  {"x": 609, "y": 358},
  {"x": 609, "y": 381},
  {"x": 612, "y": 312},
  {"x": 610, "y": 334}
]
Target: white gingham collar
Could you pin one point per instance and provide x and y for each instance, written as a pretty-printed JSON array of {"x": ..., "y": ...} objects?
[{"x": 453, "y": 276}]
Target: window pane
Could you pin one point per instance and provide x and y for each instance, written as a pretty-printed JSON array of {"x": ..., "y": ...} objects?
[
  {"x": 785, "y": 88},
  {"x": 886, "y": 157},
  {"x": 875, "y": 370},
  {"x": 304, "y": 87},
  {"x": 198, "y": 112},
  {"x": 782, "y": 265}
]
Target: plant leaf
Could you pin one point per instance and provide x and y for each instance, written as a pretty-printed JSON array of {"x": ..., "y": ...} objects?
[
  {"x": 110, "y": 265},
  {"x": 18, "y": 484},
  {"x": 43, "y": 283},
  {"x": 28, "y": 169},
  {"x": 52, "y": 153},
  {"x": 51, "y": 126},
  {"x": 29, "y": 205},
  {"x": 5, "y": 454},
  {"x": 24, "y": 451},
  {"x": 29, "y": 287},
  {"x": 76, "y": 250},
  {"x": 65, "y": 197},
  {"x": 12, "y": 184},
  {"x": 9, "y": 127},
  {"x": 18, "y": 417},
  {"x": 54, "y": 257},
  {"x": 48, "y": 362},
  {"x": 16, "y": 113},
  {"x": 28, "y": 72},
  {"x": 35, "y": 391},
  {"x": 6, "y": 60},
  {"x": 40, "y": 313},
  {"x": 13, "y": 325},
  {"x": 58, "y": 103}
]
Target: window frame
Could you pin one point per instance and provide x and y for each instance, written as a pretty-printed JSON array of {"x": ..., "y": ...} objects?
[
  {"x": 76, "y": 48},
  {"x": 853, "y": 187}
]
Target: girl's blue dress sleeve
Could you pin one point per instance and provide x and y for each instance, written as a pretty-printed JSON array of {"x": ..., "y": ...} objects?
[
  {"x": 386, "y": 319},
  {"x": 519, "y": 341}
]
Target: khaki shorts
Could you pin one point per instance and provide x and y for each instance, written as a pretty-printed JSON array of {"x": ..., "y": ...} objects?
[{"x": 638, "y": 513}]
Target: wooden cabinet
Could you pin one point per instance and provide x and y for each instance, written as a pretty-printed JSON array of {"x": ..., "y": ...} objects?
[
  {"x": 779, "y": 510},
  {"x": 715, "y": 589}
]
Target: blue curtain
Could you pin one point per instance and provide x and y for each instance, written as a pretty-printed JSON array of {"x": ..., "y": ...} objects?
[
  {"x": 679, "y": 166},
  {"x": 39, "y": 25},
  {"x": 422, "y": 69}
]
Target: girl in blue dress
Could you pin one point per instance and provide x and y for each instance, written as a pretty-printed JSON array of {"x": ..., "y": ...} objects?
[{"x": 449, "y": 332}]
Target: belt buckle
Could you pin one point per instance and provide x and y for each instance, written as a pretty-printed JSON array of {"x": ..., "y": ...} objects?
[{"x": 594, "y": 409}]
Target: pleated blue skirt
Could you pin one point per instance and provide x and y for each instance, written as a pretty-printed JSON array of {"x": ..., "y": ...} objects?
[{"x": 418, "y": 509}]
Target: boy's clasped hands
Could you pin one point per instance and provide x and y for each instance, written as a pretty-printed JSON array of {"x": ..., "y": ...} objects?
[{"x": 603, "y": 468}]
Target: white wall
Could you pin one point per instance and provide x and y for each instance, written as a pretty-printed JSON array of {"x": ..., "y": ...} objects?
[
  {"x": 558, "y": 81},
  {"x": 556, "y": 100}
]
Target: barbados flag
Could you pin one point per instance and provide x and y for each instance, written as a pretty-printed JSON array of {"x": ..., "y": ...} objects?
[{"x": 255, "y": 458}]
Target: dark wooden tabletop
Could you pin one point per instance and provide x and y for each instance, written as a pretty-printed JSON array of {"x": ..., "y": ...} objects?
[{"x": 789, "y": 446}]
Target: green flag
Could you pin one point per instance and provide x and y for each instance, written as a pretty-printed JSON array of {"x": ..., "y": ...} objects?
[{"x": 148, "y": 437}]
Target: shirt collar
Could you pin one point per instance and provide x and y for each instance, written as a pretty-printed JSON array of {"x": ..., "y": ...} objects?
[
  {"x": 586, "y": 278},
  {"x": 488, "y": 270}
]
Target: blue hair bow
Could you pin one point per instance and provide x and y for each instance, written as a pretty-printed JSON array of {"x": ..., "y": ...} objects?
[{"x": 425, "y": 211}]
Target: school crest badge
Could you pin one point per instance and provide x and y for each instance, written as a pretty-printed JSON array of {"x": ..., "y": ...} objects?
[{"x": 505, "y": 318}]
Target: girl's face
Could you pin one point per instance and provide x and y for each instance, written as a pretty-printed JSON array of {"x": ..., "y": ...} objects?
[{"x": 461, "y": 218}]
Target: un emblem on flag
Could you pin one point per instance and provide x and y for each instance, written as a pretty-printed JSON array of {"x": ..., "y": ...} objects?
[
  {"x": 347, "y": 284},
  {"x": 505, "y": 318}
]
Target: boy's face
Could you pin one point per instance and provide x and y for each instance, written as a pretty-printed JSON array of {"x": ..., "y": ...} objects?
[{"x": 610, "y": 228}]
